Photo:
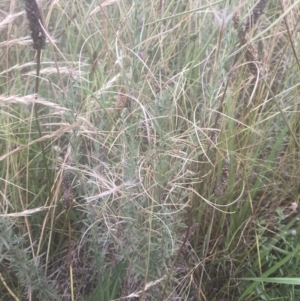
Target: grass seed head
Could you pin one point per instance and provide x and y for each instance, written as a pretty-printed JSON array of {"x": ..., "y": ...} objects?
[
  {"x": 122, "y": 101},
  {"x": 257, "y": 11},
  {"x": 236, "y": 19},
  {"x": 252, "y": 57},
  {"x": 67, "y": 198},
  {"x": 221, "y": 186},
  {"x": 35, "y": 20},
  {"x": 244, "y": 33}
]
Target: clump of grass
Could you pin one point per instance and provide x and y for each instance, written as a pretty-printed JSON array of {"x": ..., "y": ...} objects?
[{"x": 174, "y": 182}]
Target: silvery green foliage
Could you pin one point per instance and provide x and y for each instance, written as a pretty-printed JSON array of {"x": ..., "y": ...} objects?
[
  {"x": 146, "y": 238},
  {"x": 21, "y": 267}
]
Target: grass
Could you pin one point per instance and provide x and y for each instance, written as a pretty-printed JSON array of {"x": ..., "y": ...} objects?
[{"x": 160, "y": 159}]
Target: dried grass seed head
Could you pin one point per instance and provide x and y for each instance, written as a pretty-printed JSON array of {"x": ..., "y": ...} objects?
[
  {"x": 35, "y": 20},
  {"x": 67, "y": 198},
  {"x": 122, "y": 101},
  {"x": 252, "y": 58},
  {"x": 236, "y": 20},
  {"x": 257, "y": 11},
  {"x": 221, "y": 186}
]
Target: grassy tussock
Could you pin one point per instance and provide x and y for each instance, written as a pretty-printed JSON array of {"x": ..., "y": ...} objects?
[{"x": 150, "y": 151}]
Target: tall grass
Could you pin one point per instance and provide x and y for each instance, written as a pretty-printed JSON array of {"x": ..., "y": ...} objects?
[{"x": 159, "y": 159}]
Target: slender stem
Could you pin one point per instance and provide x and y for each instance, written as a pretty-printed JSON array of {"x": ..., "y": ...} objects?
[
  {"x": 282, "y": 113},
  {"x": 71, "y": 265},
  {"x": 175, "y": 261},
  {"x": 66, "y": 223},
  {"x": 36, "y": 90},
  {"x": 7, "y": 287},
  {"x": 290, "y": 35}
]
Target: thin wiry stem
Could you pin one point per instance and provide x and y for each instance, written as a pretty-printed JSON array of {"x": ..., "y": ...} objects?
[{"x": 39, "y": 41}]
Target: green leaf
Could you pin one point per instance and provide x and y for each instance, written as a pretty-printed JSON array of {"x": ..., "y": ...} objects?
[
  {"x": 293, "y": 281},
  {"x": 109, "y": 283}
]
